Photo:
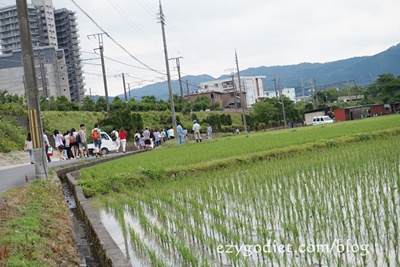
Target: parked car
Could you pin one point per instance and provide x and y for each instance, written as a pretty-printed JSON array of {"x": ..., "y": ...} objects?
[
  {"x": 322, "y": 120},
  {"x": 107, "y": 144}
]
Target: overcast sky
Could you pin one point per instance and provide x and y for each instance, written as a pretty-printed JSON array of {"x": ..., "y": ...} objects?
[{"x": 206, "y": 33}]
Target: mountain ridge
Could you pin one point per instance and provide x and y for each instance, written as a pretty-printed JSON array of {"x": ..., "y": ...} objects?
[{"x": 361, "y": 71}]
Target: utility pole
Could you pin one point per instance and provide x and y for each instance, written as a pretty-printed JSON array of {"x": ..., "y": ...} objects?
[
  {"x": 129, "y": 90},
  {"x": 232, "y": 71},
  {"x": 187, "y": 87},
  {"x": 171, "y": 97},
  {"x": 178, "y": 66},
  {"x": 313, "y": 93},
  {"x": 103, "y": 66},
  {"x": 44, "y": 83},
  {"x": 32, "y": 92},
  {"x": 241, "y": 93},
  {"x": 276, "y": 91},
  {"x": 234, "y": 91},
  {"x": 283, "y": 103},
  {"x": 126, "y": 96}
]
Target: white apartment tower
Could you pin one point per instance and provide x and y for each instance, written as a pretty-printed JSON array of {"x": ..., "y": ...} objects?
[
  {"x": 46, "y": 30},
  {"x": 68, "y": 39},
  {"x": 9, "y": 30},
  {"x": 49, "y": 34}
]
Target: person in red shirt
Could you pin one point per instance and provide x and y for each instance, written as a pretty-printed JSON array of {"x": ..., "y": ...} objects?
[{"x": 122, "y": 137}]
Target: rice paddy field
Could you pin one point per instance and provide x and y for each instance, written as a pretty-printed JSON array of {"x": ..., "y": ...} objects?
[{"x": 335, "y": 204}]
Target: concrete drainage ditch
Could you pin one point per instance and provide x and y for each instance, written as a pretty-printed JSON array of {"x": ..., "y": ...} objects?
[
  {"x": 94, "y": 244},
  {"x": 86, "y": 252}
]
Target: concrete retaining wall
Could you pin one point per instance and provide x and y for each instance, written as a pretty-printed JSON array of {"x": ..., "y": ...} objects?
[{"x": 108, "y": 251}]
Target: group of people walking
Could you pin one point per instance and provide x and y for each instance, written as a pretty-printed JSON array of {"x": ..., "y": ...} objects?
[
  {"x": 72, "y": 144},
  {"x": 69, "y": 145}
]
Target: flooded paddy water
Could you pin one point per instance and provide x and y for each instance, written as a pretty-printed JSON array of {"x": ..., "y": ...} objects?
[{"x": 336, "y": 207}]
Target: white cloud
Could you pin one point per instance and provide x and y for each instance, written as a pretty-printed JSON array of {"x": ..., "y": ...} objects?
[{"x": 206, "y": 33}]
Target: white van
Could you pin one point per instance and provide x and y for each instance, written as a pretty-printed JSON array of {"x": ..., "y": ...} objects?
[
  {"x": 107, "y": 144},
  {"x": 321, "y": 120}
]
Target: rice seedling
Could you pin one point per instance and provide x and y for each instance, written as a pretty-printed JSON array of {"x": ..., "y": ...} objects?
[{"x": 336, "y": 206}]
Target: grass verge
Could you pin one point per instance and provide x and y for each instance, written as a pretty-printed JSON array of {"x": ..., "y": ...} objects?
[{"x": 35, "y": 227}]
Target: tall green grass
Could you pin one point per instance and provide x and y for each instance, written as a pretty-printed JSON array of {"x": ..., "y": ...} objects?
[
  {"x": 12, "y": 137},
  {"x": 226, "y": 151}
]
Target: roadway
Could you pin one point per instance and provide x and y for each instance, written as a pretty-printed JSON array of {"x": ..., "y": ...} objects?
[{"x": 15, "y": 175}]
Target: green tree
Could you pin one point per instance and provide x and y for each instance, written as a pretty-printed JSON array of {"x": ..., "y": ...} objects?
[
  {"x": 133, "y": 104},
  {"x": 162, "y": 105},
  {"x": 225, "y": 119},
  {"x": 300, "y": 107},
  {"x": 137, "y": 122},
  {"x": 217, "y": 106},
  {"x": 101, "y": 104},
  {"x": 117, "y": 104},
  {"x": 264, "y": 111},
  {"x": 187, "y": 108},
  {"x": 12, "y": 104},
  {"x": 122, "y": 118},
  {"x": 88, "y": 104},
  {"x": 177, "y": 102},
  {"x": 63, "y": 104},
  {"x": 214, "y": 120},
  {"x": 386, "y": 89},
  {"x": 201, "y": 103}
]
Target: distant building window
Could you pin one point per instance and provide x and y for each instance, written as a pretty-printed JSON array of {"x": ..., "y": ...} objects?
[
  {"x": 216, "y": 85},
  {"x": 205, "y": 86}
]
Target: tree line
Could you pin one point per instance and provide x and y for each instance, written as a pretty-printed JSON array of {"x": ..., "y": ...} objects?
[{"x": 386, "y": 89}]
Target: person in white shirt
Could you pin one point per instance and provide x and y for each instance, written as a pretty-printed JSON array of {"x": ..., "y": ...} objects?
[
  {"x": 171, "y": 133},
  {"x": 115, "y": 139},
  {"x": 196, "y": 129},
  {"x": 137, "y": 139},
  {"x": 209, "y": 132},
  {"x": 146, "y": 136},
  {"x": 163, "y": 135},
  {"x": 58, "y": 140}
]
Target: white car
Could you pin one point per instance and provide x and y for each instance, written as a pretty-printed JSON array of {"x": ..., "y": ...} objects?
[
  {"x": 107, "y": 144},
  {"x": 322, "y": 120}
]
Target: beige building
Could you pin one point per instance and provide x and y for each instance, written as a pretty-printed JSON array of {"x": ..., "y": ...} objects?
[
  {"x": 226, "y": 99},
  {"x": 251, "y": 86},
  {"x": 50, "y": 68}
]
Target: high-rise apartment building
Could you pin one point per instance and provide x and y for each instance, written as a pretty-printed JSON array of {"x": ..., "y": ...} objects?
[
  {"x": 50, "y": 68},
  {"x": 9, "y": 30},
  {"x": 47, "y": 23},
  {"x": 68, "y": 39},
  {"x": 49, "y": 27}
]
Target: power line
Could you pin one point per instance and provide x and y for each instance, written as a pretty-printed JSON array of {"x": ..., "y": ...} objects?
[
  {"x": 131, "y": 23},
  {"x": 112, "y": 39},
  {"x": 191, "y": 44},
  {"x": 147, "y": 7}
]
